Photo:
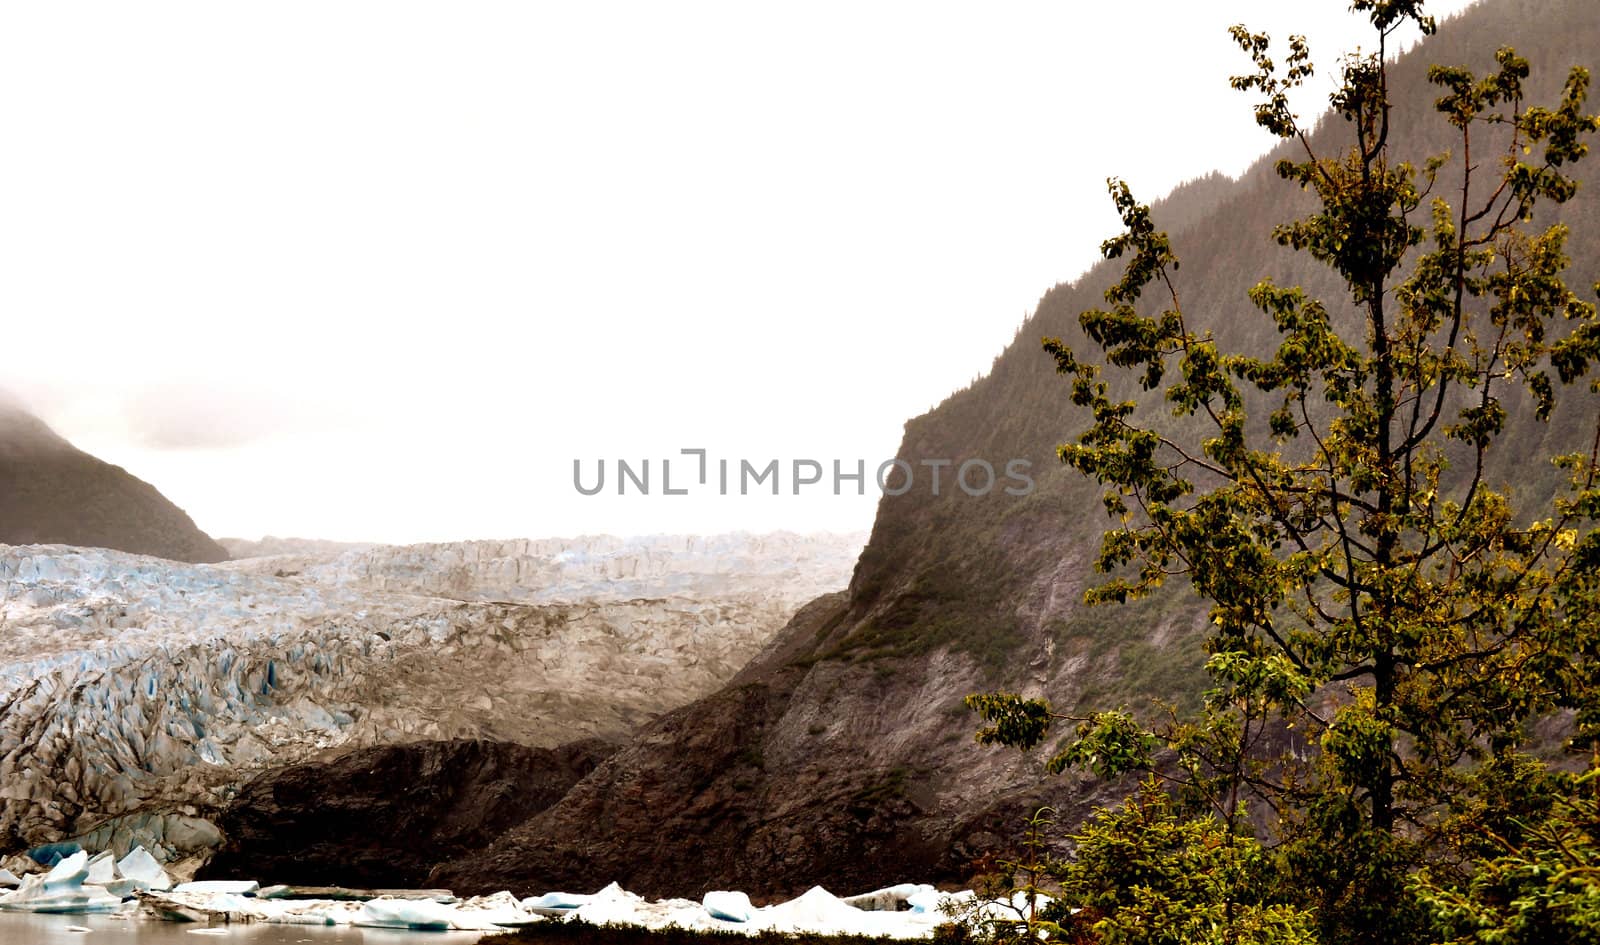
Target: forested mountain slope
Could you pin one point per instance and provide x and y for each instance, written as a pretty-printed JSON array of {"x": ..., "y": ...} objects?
[{"x": 843, "y": 755}]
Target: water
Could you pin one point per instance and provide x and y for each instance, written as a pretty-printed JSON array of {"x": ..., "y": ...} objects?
[{"x": 23, "y": 929}]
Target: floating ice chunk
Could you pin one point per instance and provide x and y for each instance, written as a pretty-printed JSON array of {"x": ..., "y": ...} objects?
[
  {"x": 491, "y": 913},
  {"x": 8, "y": 878},
  {"x": 125, "y": 888},
  {"x": 927, "y": 902},
  {"x": 417, "y": 915},
  {"x": 612, "y": 904},
  {"x": 817, "y": 910},
  {"x": 102, "y": 869},
  {"x": 728, "y": 906},
  {"x": 69, "y": 873},
  {"x": 555, "y": 901},
  {"x": 820, "y": 912},
  {"x": 140, "y": 867},
  {"x": 237, "y": 887},
  {"x": 36, "y": 895}
]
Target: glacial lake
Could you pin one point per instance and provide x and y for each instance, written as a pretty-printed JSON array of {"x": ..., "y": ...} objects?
[{"x": 22, "y": 929}]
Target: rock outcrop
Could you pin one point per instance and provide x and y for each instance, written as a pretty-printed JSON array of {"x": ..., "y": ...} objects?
[
  {"x": 381, "y": 818},
  {"x": 53, "y": 492},
  {"x": 795, "y": 773}
]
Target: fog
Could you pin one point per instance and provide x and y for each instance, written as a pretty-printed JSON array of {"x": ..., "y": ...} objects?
[{"x": 383, "y": 271}]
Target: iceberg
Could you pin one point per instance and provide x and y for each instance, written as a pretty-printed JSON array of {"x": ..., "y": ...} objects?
[
  {"x": 728, "y": 906},
  {"x": 416, "y": 915},
  {"x": 555, "y": 900},
  {"x": 816, "y": 911},
  {"x": 141, "y": 868},
  {"x": 8, "y": 878},
  {"x": 69, "y": 897},
  {"x": 927, "y": 902},
  {"x": 492, "y": 914},
  {"x": 612, "y": 904},
  {"x": 125, "y": 888},
  {"x": 68, "y": 873},
  {"x": 819, "y": 911},
  {"x": 102, "y": 869}
]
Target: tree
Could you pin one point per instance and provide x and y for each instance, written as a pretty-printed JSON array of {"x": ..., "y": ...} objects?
[
  {"x": 1537, "y": 888},
  {"x": 1374, "y": 592}
]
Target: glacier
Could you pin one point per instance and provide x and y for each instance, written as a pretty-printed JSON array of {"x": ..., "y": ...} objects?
[{"x": 137, "y": 693}]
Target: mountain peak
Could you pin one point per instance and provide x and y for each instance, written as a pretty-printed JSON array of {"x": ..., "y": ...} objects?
[{"x": 51, "y": 492}]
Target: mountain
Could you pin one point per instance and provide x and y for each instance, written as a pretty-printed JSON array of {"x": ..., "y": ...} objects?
[
  {"x": 843, "y": 754},
  {"x": 51, "y": 492}
]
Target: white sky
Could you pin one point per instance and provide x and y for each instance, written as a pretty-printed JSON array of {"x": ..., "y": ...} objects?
[{"x": 382, "y": 270}]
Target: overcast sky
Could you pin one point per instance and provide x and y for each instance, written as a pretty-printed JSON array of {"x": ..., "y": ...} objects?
[{"x": 383, "y": 270}]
